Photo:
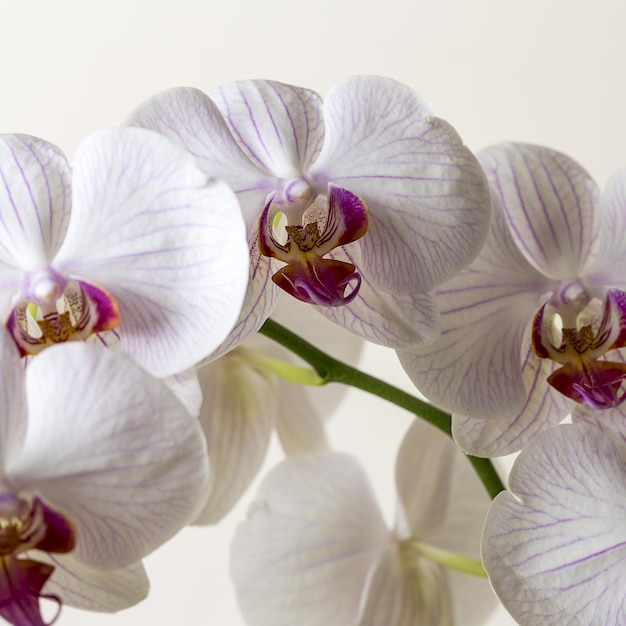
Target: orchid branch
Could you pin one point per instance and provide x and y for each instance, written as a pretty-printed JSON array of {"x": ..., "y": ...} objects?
[{"x": 332, "y": 370}]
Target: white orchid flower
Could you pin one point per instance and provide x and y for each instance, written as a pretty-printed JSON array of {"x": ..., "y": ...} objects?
[
  {"x": 100, "y": 464},
  {"x": 133, "y": 243},
  {"x": 554, "y": 546},
  {"x": 380, "y": 200},
  {"x": 534, "y": 327},
  {"x": 315, "y": 550}
]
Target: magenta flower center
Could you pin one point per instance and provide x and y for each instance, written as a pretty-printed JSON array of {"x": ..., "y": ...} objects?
[{"x": 325, "y": 224}]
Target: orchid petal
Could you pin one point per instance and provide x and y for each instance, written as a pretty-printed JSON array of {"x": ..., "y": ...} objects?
[
  {"x": 604, "y": 269},
  {"x": 474, "y": 367},
  {"x": 423, "y": 477},
  {"x": 554, "y": 548},
  {"x": 192, "y": 120},
  {"x": 166, "y": 244},
  {"x": 279, "y": 127},
  {"x": 303, "y": 555},
  {"x": 128, "y": 471},
  {"x": 544, "y": 407},
  {"x": 427, "y": 196},
  {"x": 12, "y": 402},
  {"x": 391, "y": 320},
  {"x": 186, "y": 387},
  {"x": 550, "y": 202},
  {"x": 93, "y": 590},
  {"x": 237, "y": 417},
  {"x": 298, "y": 424},
  {"x": 36, "y": 193},
  {"x": 261, "y": 298},
  {"x": 404, "y": 595}
]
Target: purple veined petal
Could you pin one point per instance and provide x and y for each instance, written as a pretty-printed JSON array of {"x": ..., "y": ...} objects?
[
  {"x": 474, "y": 368},
  {"x": 93, "y": 590},
  {"x": 261, "y": 298},
  {"x": 192, "y": 120},
  {"x": 166, "y": 243},
  {"x": 423, "y": 478},
  {"x": 604, "y": 269},
  {"x": 237, "y": 416},
  {"x": 13, "y": 406},
  {"x": 555, "y": 546},
  {"x": 551, "y": 204},
  {"x": 311, "y": 537},
  {"x": 427, "y": 195},
  {"x": 280, "y": 127},
  {"x": 35, "y": 191},
  {"x": 391, "y": 320},
  {"x": 544, "y": 407},
  {"x": 400, "y": 595},
  {"x": 113, "y": 449}
]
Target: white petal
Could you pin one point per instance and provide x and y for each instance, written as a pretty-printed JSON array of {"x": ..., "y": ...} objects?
[
  {"x": 186, "y": 388},
  {"x": 391, "y": 320},
  {"x": 474, "y": 368},
  {"x": 605, "y": 271},
  {"x": 551, "y": 203},
  {"x": 35, "y": 191},
  {"x": 279, "y": 127},
  {"x": 113, "y": 449},
  {"x": 427, "y": 195},
  {"x": 260, "y": 300},
  {"x": 423, "y": 477},
  {"x": 299, "y": 422},
  {"x": 192, "y": 120},
  {"x": 311, "y": 538},
  {"x": 555, "y": 548},
  {"x": 12, "y": 402},
  {"x": 166, "y": 243},
  {"x": 544, "y": 407},
  {"x": 93, "y": 590},
  {"x": 401, "y": 595},
  {"x": 237, "y": 416}
]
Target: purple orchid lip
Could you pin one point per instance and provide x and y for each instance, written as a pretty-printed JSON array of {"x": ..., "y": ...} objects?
[
  {"x": 29, "y": 525},
  {"x": 308, "y": 276},
  {"x": 582, "y": 376},
  {"x": 87, "y": 310}
]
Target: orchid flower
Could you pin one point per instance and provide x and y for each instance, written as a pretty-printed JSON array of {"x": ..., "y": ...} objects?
[
  {"x": 554, "y": 545},
  {"x": 133, "y": 244},
  {"x": 315, "y": 549},
  {"x": 535, "y": 326},
  {"x": 245, "y": 402},
  {"x": 99, "y": 464},
  {"x": 368, "y": 199}
]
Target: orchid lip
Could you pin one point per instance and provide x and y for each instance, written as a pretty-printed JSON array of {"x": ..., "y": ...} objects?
[
  {"x": 327, "y": 223},
  {"x": 72, "y": 313},
  {"x": 582, "y": 376}
]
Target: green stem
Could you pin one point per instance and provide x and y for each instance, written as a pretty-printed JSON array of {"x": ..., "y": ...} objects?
[{"x": 332, "y": 370}]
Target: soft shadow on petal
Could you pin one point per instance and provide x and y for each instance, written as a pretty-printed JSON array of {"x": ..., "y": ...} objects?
[
  {"x": 237, "y": 417},
  {"x": 551, "y": 202},
  {"x": 544, "y": 407},
  {"x": 91, "y": 590},
  {"x": 555, "y": 546},
  {"x": 311, "y": 537}
]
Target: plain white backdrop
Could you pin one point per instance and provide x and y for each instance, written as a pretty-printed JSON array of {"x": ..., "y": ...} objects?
[{"x": 541, "y": 71}]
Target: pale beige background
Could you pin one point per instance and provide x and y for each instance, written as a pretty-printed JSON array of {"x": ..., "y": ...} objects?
[{"x": 544, "y": 71}]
